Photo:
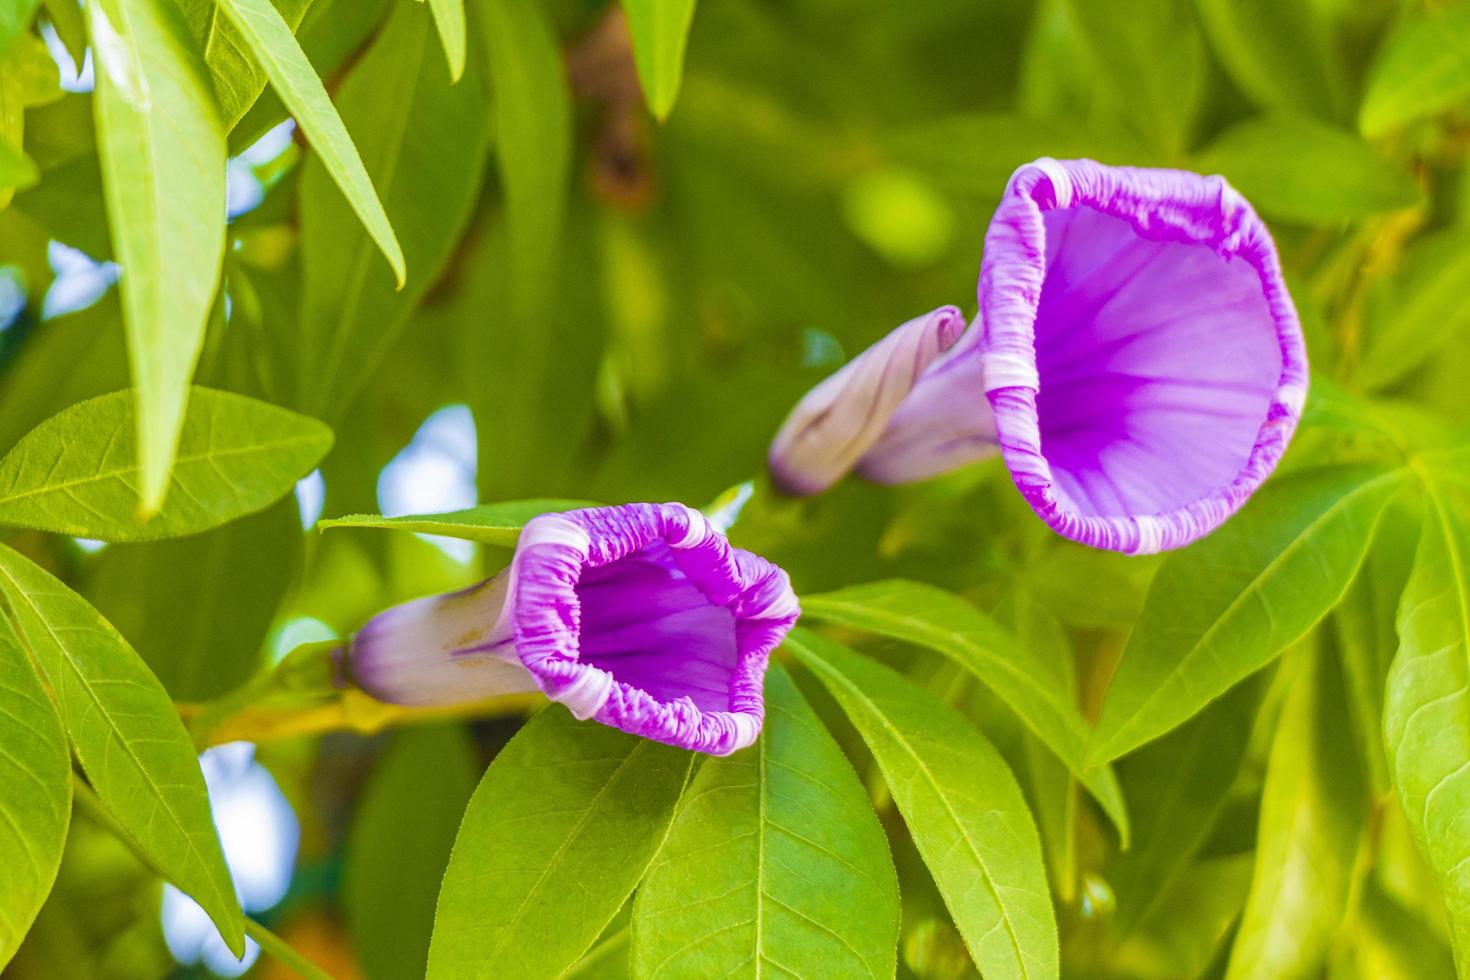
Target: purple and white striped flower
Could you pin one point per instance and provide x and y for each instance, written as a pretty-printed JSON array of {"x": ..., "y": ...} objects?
[
  {"x": 642, "y": 617},
  {"x": 1137, "y": 360}
]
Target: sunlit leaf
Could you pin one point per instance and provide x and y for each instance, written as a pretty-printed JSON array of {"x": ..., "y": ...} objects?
[
  {"x": 1224, "y": 607},
  {"x": 126, "y": 734},
  {"x": 961, "y": 804},
  {"x": 15, "y": 17},
  {"x": 1298, "y": 169},
  {"x": 234, "y": 62},
  {"x": 75, "y": 473},
  {"x": 35, "y": 792},
  {"x": 163, "y": 166},
  {"x": 449, "y": 21},
  {"x": 943, "y": 622},
  {"x": 269, "y": 38},
  {"x": 28, "y": 78},
  {"x": 1426, "y": 714},
  {"x": 567, "y": 808},
  {"x": 498, "y": 524},
  {"x": 660, "y": 30},
  {"x": 17, "y": 171},
  {"x": 775, "y": 862},
  {"x": 1422, "y": 68},
  {"x": 1313, "y": 811}
]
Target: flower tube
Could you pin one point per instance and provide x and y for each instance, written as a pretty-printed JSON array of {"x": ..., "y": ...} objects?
[
  {"x": 642, "y": 617},
  {"x": 1137, "y": 360}
]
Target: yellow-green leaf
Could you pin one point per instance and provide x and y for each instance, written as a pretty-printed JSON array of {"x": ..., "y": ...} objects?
[{"x": 660, "y": 30}]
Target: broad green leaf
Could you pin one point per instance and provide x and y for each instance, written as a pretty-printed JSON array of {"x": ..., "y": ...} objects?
[
  {"x": 1282, "y": 55},
  {"x": 1224, "y": 607},
  {"x": 423, "y": 142},
  {"x": 163, "y": 166},
  {"x": 660, "y": 30},
  {"x": 269, "y": 38},
  {"x": 1298, "y": 169},
  {"x": 962, "y": 806},
  {"x": 775, "y": 862},
  {"x": 1177, "y": 787},
  {"x": 1149, "y": 56},
  {"x": 77, "y": 356},
  {"x": 35, "y": 792},
  {"x": 15, "y": 18},
  {"x": 235, "y": 70},
  {"x": 1028, "y": 684},
  {"x": 449, "y": 21},
  {"x": 533, "y": 136},
  {"x": 1426, "y": 715},
  {"x": 126, "y": 734},
  {"x": 497, "y": 524},
  {"x": 560, "y": 830},
  {"x": 398, "y": 843},
  {"x": 1411, "y": 314},
  {"x": 75, "y": 473},
  {"x": 198, "y": 609},
  {"x": 1313, "y": 811},
  {"x": 1422, "y": 68}
]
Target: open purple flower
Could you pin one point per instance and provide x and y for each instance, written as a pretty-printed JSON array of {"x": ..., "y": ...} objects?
[
  {"x": 642, "y": 617},
  {"x": 1137, "y": 360}
]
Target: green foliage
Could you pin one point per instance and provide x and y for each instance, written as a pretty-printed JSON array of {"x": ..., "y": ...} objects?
[
  {"x": 1421, "y": 68},
  {"x": 498, "y": 524},
  {"x": 660, "y": 30},
  {"x": 774, "y": 861}
]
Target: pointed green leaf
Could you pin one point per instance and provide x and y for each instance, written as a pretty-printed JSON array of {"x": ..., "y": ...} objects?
[
  {"x": 776, "y": 861},
  {"x": 76, "y": 474},
  {"x": 35, "y": 792},
  {"x": 567, "y": 809},
  {"x": 163, "y": 166},
  {"x": 1313, "y": 811},
  {"x": 71, "y": 26},
  {"x": 1426, "y": 714},
  {"x": 1224, "y": 607},
  {"x": 1422, "y": 68},
  {"x": 269, "y": 38},
  {"x": 961, "y": 803},
  {"x": 943, "y": 622},
  {"x": 234, "y": 69},
  {"x": 1298, "y": 169},
  {"x": 126, "y": 734},
  {"x": 533, "y": 136},
  {"x": 660, "y": 30},
  {"x": 498, "y": 524},
  {"x": 423, "y": 142},
  {"x": 449, "y": 22}
]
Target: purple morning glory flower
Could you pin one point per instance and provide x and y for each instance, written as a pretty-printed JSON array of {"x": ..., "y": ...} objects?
[
  {"x": 642, "y": 617},
  {"x": 1137, "y": 360}
]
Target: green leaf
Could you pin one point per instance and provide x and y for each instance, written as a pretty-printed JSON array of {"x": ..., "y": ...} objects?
[
  {"x": 35, "y": 793},
  {"x": 497, "y": 524},
  {"x": 533, "y": 136},
  {"x": 962, "y": 806},
  {"x": 269, "y": 38},
  {"x": 1413, "y": 313},
  {"x": 1149, "y": 56},
  {"x": 163, "y": 164},
  {"x": 15, "y": 18},
  {"x": 398, "y": 844},
  {"x": 775, "y": 861},
  {"x": 75, "y": 473},
  {"x": 127, "y": 736},
  {"x": 1298, "y": 169},
  {"x": 1224, "y": 607},
  {"x": 17, "y": 171},
  {"x": 198, "y": 609},
  {"x": 423, "y": 142},
  {"x": 1422, "y": 68},
  {"x": 1313, "y": 811},
  {"x": 237, "y": 76},
  {"x": 28, "y": 77},
  {"x": 1279, "y": 54},
  {"x": 71, "y": 26},
  {"x": 1026, "y": 682},
  {"x": 560, "y": 830},
  {"x": 660, "y": 30},
  {"x": 1426, "y": 715},
  {"x": 1177, "y": 786},
  {"x": 449, "y": 22}
]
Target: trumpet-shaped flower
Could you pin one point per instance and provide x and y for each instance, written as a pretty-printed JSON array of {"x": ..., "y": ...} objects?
[
  {"x": 642, "y": 617},
  {"x": 1136, "y": 361}
]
